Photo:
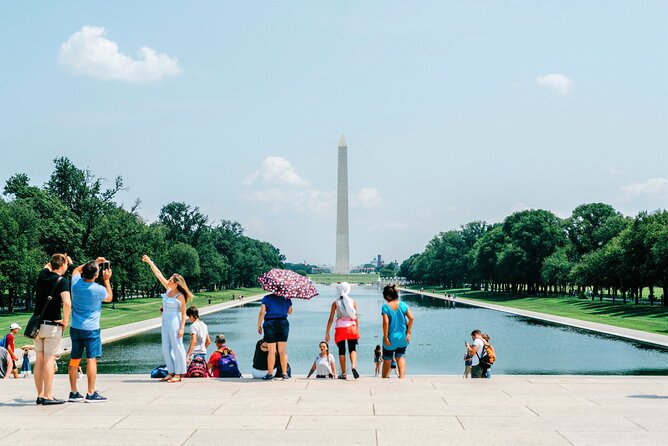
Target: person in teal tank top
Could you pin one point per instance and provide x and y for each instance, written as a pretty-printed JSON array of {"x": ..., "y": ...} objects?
[{"x": 397, "y": 325}]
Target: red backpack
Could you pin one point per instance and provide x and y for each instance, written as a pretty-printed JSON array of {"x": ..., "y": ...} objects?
[{"x": 198, "y": 368}]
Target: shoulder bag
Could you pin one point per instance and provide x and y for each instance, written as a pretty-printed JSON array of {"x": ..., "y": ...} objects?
[{"x": 32, "y": 327}]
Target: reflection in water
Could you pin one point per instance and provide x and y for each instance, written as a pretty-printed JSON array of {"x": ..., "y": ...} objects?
[{"x": 523, "y": 345}]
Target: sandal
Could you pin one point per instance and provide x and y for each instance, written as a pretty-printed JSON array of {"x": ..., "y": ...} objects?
[
  {"x": 175, "y": 379},
  {"x": 168, "y": 377}
]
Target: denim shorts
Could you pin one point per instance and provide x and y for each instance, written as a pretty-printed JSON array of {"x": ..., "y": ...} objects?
[
  {"x": 276, "y": 330},
  {"x": 397, "y": 353},
  {"x": 88, "y": 340}
]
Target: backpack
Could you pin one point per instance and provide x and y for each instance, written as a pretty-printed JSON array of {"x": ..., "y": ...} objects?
[
  {"x": 3, "y": 342},
  {"x": 159, "y": 372},
  {"x": 227, "y": 365},
  {"x": 198, "y": 368},
  {"x": 488, "y": 356},
  {"x": 491, "y": 355}
]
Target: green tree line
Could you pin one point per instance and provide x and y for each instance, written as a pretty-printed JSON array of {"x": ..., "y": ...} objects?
[
  {"x": 536, "y": 252},
  {"x": 76, "y": 213}
]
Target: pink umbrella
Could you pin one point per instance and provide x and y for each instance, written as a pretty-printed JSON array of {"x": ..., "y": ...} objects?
[{"x": 288, "y": 284}]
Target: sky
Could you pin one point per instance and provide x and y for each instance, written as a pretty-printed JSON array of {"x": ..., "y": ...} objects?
[{"x": 453, "y": 111}]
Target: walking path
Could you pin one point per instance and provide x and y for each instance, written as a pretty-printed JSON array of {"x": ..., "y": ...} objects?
[
  {"x": 125, "y": 331},
  {"x": 634, "y": 335},
  {"x": 421, "y": 410}
]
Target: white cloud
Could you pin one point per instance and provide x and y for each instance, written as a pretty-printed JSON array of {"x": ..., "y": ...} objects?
[
  {"x": 278, "y": 185},
  {"x": 559, "y": 82},
  {"x": 367, "y": 197},
  {"x": 652, "y": 188},
  {"x": 89, "y": 53},
  {"x": 307, "y": 201},
  {"x": 276, "y": 170}
]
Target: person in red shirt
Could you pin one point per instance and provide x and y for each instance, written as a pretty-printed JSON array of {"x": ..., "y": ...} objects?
[
  {"x": 215, "y": 356},
  {"x": 9, "y": 340}
]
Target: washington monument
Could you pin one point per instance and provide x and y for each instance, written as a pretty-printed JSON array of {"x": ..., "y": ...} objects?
[{"x": 342, "y": 265}]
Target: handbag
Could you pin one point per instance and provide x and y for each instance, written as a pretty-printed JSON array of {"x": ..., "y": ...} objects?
[{"x": 32, "y": 327}]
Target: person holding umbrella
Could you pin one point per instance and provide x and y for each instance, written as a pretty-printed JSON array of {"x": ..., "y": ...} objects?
[
  {"x": 283, "y": 285},
  {"x": 274, "y": 312}
]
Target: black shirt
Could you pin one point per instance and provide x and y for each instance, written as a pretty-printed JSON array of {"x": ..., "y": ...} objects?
[{"x": 45, "y": 282}]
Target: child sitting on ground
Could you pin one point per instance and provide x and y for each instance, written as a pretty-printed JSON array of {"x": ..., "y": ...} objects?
[
  {"x": 323, "y": 366},
  {"x": 223, "y": 362}
]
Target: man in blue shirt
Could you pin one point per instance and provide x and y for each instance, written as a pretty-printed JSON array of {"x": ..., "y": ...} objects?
[{"x": 87, "y": 298}]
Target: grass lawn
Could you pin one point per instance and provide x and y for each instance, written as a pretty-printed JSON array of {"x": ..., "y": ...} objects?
[
  {"x": 350, "y": 278},
  {"x": 132, "y": 310},
  {"x": 653, "y": 319}
]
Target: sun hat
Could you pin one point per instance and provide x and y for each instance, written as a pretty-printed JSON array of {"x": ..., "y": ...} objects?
[{"x": 14, "y": 325}]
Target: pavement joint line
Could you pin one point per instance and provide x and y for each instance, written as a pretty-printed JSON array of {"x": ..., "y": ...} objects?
[
  {"x": 288, "y": 423},
  {"x": 592, "y": 401},
  {"x": 154, "y": 399},
  {"x": 460, "y": 423},
  {"x": 564, "y": 437},
  {"x": 189, "y": 437},
  {"x": 537, "y": 414},
  {"x": 116, "y": 423},
  {"x": 299, "y": 399},
  {"x": 639, "y": 425},
  {"x": 373, "y": 408},
  {"x": 509, "y": 395},
  {"x": 376, "y": 435},
  {"x": 444, "y": 400},
  {"x": 217, "y": 408},
  {"x": 63, "y": 407},
  {"x": 9, "y": 433}
]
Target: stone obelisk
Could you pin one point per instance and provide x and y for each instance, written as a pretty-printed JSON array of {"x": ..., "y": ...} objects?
[{"x": 342, "y": 265}]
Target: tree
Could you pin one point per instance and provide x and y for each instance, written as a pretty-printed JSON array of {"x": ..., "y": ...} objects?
[{"x": 184, "y": 223}]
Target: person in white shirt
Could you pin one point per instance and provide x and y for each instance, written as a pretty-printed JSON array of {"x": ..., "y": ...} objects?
[
  {"x": 323, "y": 366},
  {"x": 476, "y": 350},
  {"x": 199, "y": 335}
]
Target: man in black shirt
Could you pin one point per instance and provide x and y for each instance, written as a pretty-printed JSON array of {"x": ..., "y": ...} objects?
[{"x": 47, "y": 342}]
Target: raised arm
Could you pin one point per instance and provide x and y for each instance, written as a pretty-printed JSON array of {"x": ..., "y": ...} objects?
[
  {"x": 156, "y": 271},
  {"x": 329, "y": 321}
]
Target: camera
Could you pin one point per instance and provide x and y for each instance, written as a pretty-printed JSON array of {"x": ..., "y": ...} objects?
[{"x": 105, "y": 266}]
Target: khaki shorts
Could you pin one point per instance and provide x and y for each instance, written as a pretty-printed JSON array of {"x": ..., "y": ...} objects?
[{"x": 48, "y": 339}]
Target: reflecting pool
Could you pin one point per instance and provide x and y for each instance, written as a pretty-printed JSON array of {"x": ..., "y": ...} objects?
[{"x": 523, "y": 345}]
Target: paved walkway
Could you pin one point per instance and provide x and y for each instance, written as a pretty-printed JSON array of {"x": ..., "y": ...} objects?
[
  {"x": 422, "y": 410},
  {"x": 128, "y": 330},
  {"x": 634, "y": 335}
]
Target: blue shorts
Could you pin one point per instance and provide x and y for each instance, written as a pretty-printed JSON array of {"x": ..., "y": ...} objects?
[
  {"x": 276, "y": 330},
  {"x": 88, "y": 340},
  {"x": 397, "y": 353}
]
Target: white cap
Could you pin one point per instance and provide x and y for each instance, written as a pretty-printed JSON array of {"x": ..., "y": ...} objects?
[{"x": 14, "y": 325}]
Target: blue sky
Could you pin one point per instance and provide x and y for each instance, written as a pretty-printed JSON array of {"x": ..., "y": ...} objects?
[{"x": 453, "y": 111}]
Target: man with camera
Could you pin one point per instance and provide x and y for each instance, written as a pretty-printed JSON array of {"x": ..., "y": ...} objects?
[
  {"x": 87, "y": 298},
  {"x": 52, "y": 291}
]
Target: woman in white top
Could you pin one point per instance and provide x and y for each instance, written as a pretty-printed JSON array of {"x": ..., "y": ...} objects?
[
  {"x": 346, "y": 329},
  {"x": 173, "y": 321},
  {"x": 323, "y": 366}
]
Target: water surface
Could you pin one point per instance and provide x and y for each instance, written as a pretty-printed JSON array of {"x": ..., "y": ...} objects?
[{"x": 523, "y": 345}]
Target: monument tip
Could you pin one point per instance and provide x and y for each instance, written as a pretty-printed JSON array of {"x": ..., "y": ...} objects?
[{"x": 342, "y": 141}]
